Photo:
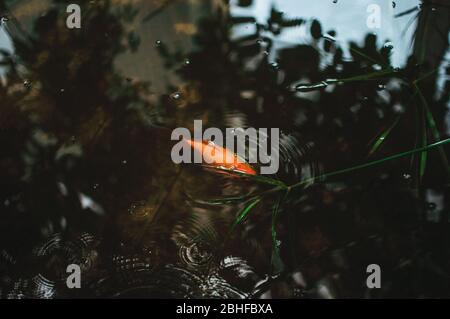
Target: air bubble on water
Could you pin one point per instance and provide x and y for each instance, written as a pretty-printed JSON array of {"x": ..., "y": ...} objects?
[
  {"x": 377, "y": 67},
  {"x": 274, "y": 65},
  {"x": 431, "y": 206},
  {"x": 132, "y": 208},
  {"x": 63, "y": 222}
]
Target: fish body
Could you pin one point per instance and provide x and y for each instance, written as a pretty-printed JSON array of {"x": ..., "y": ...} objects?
[{"x": 220, "y": 157}]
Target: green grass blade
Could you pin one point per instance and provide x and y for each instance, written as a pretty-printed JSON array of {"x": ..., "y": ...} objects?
[
  {"x": 382, "y": 137},
  {"x": 433, "y": 127},
  {"x": 364, "y": 77},
  {"x": 423, "y": 155},
  {"x": 243, "y": 214},
  {"x": 372, "y": 163}
]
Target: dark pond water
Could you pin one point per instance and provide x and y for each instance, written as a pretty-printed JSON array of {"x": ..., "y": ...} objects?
[{"x": 86, "y": 175}]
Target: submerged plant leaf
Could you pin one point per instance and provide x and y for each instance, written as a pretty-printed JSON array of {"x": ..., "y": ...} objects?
[
  {"x": 256, "y": 178},
  {"x": 224, "y": 200},
  {"x": 277, "y": 262},
  {"x": 243, "y": 214}
]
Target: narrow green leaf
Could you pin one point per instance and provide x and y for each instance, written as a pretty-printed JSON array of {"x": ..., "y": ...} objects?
[
  {"x": 243, "y": 214},
  {"x": 372, "y": 163},
  {"x": 423, "y": 155},
  {"x": 383, "y": 136},
  {"x": 433, "y": 127},
  {"x": 277, "y": 262}
]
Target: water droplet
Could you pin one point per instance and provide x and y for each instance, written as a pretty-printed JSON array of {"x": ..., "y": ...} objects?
[
  {"x": 431, "y": 206},
  {"x": 124, "y": 162},
  {"x": 187, "y": 62},
  {"x": 406, "y": 176},
  {"x": 274, "y": 65},
  {"x": 335, "y": 1},
  {"x": 158, "y": 43},
  {"x": 394, "y": 4},
  {"x": 377, "y": 67},
  {"x": 61, "y": 90},
  {"x": 175, "y": 96},
  {"x": 4, "y": 19},
  {"x": 96, "y": 185},
  {"x": 381, "y": 87}
]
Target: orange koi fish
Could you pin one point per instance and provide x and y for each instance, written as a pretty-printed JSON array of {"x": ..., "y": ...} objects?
[{"x": 220, "y": 157}]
